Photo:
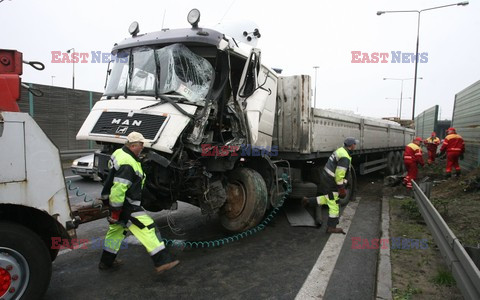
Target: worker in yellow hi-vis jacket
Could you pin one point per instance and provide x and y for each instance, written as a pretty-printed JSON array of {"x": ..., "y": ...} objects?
[
  {"x": 126, "y": 213},
  {"x": 332, "y": 186}
]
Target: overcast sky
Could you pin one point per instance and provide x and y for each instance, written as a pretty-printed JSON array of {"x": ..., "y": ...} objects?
[{"x": 296, "y": 35}]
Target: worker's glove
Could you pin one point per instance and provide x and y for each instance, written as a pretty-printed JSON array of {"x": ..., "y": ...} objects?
[
  {"x": 342, "y": 192},
  {"x": 114, "y": 216},
  {"x": 461, "y": 156}
]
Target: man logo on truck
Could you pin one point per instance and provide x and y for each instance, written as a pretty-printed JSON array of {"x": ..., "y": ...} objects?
[{"x": 127, "y": 122}]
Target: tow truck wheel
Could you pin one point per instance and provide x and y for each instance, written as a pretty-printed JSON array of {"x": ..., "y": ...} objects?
[
  {"x": 246, "y": 200},
  {"x": 25, "y": 264}
]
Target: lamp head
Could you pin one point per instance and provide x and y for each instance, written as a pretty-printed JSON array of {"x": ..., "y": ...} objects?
[
  {"x": 134, "y": 28},
  {"x": 193, "y": 17},
  {"x": 379, "y": 13}
]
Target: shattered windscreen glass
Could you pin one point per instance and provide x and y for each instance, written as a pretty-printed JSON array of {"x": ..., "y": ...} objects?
[
  {"x": 184, "y": 72},
  {"x": 153, "y": 72}
]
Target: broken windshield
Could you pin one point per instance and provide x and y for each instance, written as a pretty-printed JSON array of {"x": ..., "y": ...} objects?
[{"x": 154, "y": 72}]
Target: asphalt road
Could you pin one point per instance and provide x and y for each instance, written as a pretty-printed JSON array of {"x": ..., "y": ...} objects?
[{"x": 271, "y": 264}]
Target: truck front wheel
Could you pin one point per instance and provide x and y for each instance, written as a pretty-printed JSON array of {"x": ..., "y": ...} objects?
[
  {"x": 25, "y": 264},
  {"x": 246, "y": 200}
]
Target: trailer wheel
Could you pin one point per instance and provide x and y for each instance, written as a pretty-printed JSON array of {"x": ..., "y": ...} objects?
[
  {"x": 25, "y": 263},
  {"x": 391, "y": 163},
  {"x": 399, "y": 159},
  {"x": 246, "y": 200}
]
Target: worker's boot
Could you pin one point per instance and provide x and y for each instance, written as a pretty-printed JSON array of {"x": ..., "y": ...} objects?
[
  {"x": 332, "y": 226},
  {"x": 108, "y": 262},
  {"x": 458, "y": 173},
  {"x": 335, "y": 230},
  {"x": 448, "y": 175},
  {"x": 163, "y": 261}
]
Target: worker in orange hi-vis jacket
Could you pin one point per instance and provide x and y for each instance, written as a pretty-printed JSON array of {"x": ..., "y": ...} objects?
[
  {"x": 432, "y": 144},
  {"x": 455, "y": 147},
  {"x": 412, "y": 156}
]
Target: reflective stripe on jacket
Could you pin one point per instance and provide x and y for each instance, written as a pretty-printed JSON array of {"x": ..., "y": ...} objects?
[
  {"x": 413, "y": 153},
  {"x": 338, "y": 164},
  {"x": 453, "y": 143},
  {"x": 432, "y": 143},
  {"x": 128, "y": 179}
]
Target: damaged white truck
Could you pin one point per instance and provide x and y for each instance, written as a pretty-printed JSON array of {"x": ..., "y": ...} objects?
[{"x": 223, "y": 129}]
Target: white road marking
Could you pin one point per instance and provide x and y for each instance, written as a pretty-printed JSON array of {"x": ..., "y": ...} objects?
[{"x": 316, "y": 283}]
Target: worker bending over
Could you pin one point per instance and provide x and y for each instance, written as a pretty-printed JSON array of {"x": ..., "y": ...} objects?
[
  {"x": 412, "y": 156},
  {"x": 333, "y": 178}
]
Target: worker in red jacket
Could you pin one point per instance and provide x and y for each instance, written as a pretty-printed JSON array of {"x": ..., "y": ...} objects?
[
  {"x": 412, "y": 157},
  {"x": 455, "y": 147},
  {"x": 432, "y": 144}
]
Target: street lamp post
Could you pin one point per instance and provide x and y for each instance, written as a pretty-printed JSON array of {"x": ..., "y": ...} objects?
[
  {"x": 315, "y": 93},
  {"x": 379, "y": 13},
  {"x": 73, "y": 63},
  {"x": 52, "y": 79},
  {"x": 401, "y": 91}
]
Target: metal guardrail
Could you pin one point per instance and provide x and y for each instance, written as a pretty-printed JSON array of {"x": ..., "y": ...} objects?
[
  {"x": 66, "y": 154},
  {"x": 458, "y": 261}
]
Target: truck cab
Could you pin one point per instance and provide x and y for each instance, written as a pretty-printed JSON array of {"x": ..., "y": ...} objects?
[{"x": 200, "y": 101}]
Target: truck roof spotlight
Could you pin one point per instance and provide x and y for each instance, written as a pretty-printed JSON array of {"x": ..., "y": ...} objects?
[
  {"x": 194, "y": 17},
  {"x": 134, "y": 28}
]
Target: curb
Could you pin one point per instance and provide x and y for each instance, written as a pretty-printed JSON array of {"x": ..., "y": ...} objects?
[{"x": 384, "y": 267}]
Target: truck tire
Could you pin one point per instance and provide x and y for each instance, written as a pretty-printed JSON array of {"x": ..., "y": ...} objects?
[
  {"x": 399, "y": 157},
  {"x": 302, "y": 189},
  {"x": 246, "y": 200},
  {"x": 391, "y": 163},
  {"x": 26, "y": 260}
]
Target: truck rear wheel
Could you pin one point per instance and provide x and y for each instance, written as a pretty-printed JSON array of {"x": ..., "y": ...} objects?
[
  {"x": 399, "y": 158},
  {"x": 246, "y": 200},
  {"x": 391, "y": 163},
  {"x": 25, "y": 264}
]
